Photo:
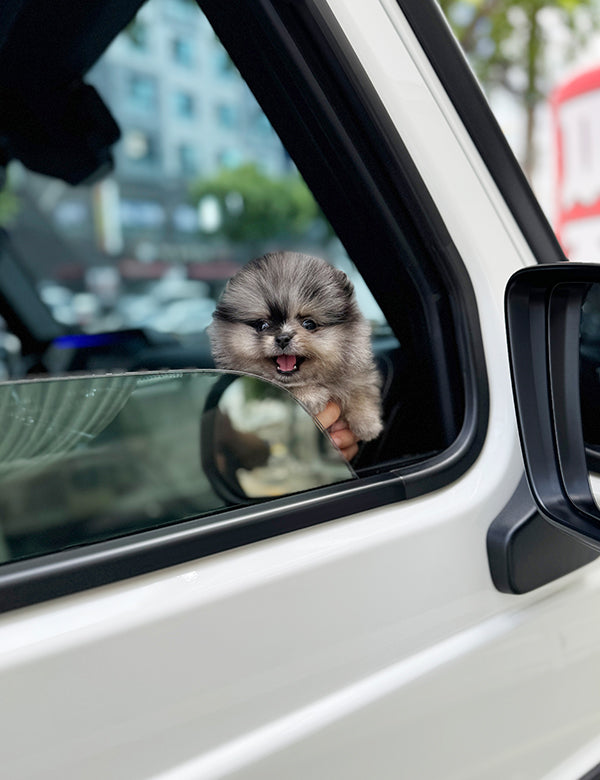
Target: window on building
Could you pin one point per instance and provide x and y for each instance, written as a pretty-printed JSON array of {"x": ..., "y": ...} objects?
[
  {"x": 187, "y": 156},
  {"x": 184, "y": 105},
  {"x": 142, "y": 92},
  {"x": 183, "y": 52},
  {"x": 227, "y": 115},
  {"x": 231, "y": 158}
]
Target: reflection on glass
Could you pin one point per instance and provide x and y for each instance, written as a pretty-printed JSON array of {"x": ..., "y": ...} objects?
[
  {"x": 263, "y": 444},
  {"x": 90, "y": 458}
]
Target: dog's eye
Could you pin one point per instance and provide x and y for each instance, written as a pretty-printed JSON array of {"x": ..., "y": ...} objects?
[
  {"x": 309, "y": 324},
  {"x": 261, "y": 325}
]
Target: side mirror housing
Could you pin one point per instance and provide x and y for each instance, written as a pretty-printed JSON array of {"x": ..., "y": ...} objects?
[{"x": 544, "y": 307}]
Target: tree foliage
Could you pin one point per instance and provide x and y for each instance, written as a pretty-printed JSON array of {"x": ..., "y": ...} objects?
[
  {"x": 254, "y": 206},
  {"x": 508, "y": 45}
]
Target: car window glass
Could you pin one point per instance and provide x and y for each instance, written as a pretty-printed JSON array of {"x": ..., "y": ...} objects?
[{"x": 89, "y": 458}]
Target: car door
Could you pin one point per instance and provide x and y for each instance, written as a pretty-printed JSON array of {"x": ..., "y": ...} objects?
[{"x": 364, "y": 630}]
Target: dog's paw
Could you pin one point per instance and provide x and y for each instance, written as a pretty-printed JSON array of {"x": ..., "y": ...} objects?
[{"x": 366, "y": 428}]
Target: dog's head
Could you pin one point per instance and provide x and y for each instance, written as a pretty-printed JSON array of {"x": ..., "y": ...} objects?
[{"x": 287, "y": 317}]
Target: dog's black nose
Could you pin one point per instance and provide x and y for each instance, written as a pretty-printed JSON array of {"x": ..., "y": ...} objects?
[{"x": 283, "y": 339}]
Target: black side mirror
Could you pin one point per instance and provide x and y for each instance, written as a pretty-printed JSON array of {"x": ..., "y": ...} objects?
[{"x": 551, "y": 346}]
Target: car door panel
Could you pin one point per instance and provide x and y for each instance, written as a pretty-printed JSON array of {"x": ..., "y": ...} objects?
[{"x": 373, "y": 645}]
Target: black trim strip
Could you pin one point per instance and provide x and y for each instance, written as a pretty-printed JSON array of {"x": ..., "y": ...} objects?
[{"x": 31, "y": 581}]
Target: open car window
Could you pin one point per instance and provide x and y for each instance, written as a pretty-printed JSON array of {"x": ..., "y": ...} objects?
[
  {"x": 226, "y": 145},
  {"x": 89, "y": 458}
]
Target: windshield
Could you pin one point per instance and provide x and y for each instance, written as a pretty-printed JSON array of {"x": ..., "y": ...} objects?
[{"x": 90, "y": 458}]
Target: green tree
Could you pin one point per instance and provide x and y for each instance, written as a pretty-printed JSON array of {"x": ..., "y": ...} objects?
[
  {"x": 254, "y": 207},
  {"x": 507, "y": 43}
]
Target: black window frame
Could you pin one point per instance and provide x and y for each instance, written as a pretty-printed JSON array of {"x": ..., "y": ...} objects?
[{"x": 314, "y": 91}]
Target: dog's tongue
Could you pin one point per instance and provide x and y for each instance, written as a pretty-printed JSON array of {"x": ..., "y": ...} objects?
[{"x": 286, "y": 362}]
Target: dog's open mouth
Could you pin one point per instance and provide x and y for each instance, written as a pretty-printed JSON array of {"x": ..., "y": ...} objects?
[{"x": 287, "y": 364}]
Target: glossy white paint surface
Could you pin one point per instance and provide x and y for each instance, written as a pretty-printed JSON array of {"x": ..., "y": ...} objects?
[{"x": 370, "y": 647}]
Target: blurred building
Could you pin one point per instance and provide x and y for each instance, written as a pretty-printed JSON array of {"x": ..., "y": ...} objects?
[
  {"x": 182, "y": 107},
  {"x": 184, "y": 112}
]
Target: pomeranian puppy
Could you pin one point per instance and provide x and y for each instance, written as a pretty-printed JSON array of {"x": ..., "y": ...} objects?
[{"x": 293, "y": 319}]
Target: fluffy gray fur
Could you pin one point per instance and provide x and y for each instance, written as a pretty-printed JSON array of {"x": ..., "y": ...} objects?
[{"x": 293, "y": 319}]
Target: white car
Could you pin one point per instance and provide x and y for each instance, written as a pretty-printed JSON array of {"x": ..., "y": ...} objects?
[{"x": 416, "y": 615}]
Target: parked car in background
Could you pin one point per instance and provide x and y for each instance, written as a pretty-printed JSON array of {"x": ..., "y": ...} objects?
[{"x": 193, "y": 583}]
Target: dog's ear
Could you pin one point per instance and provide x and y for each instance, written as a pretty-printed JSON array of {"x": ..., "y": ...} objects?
[{"x": 343, "y": 282}]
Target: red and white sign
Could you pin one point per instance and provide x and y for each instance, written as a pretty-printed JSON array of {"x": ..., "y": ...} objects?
[{"x": 576, "y": 117}]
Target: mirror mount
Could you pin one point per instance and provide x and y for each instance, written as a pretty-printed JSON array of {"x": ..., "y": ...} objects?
[{"x": 525, "y": 551}]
